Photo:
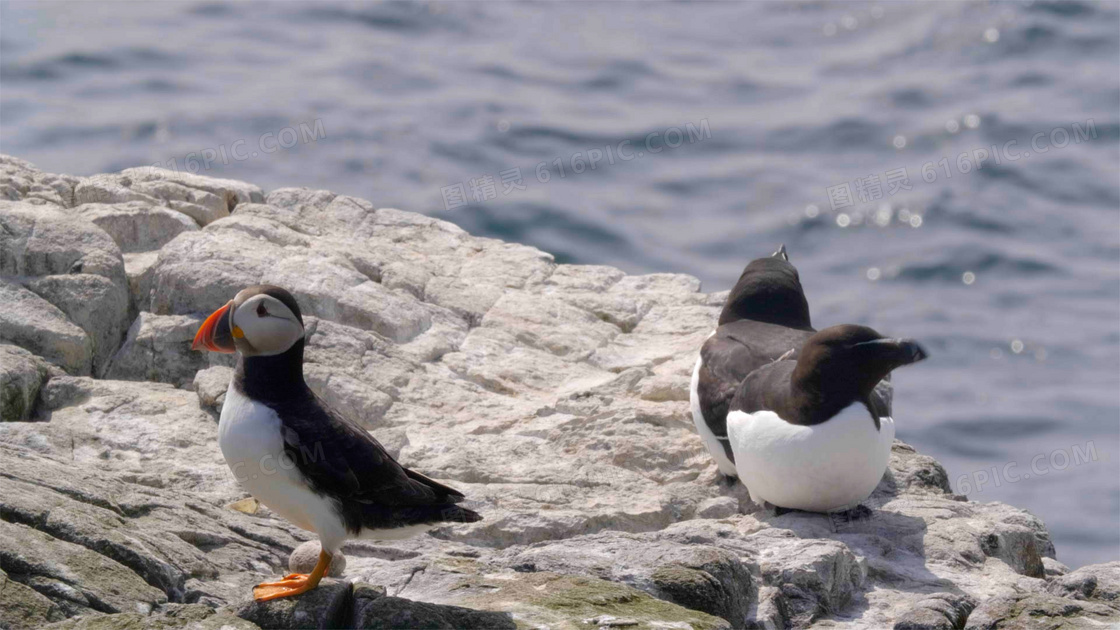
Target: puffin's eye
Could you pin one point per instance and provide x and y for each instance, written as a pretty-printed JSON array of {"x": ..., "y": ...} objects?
[{"x": 261, "y": 310}]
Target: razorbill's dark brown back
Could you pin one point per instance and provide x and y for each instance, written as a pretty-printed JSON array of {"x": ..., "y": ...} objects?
[
  {"x": 765, "y": 317},
  {"x": 814, "y": 432},
  {"x": 306, "y": 462}
]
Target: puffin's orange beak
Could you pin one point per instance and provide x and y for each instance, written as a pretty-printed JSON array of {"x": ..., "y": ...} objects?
[{"x": 216, "y": 334}]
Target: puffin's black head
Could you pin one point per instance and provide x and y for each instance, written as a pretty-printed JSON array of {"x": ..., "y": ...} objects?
[
  {"x": 769, "y": 290},
  {"x": 845, "y": 363},
  {"x": 262, "y": 320}
]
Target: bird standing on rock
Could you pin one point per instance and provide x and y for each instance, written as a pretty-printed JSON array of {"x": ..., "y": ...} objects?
[
  {"x": 802, "y": 418},
  {"x": 307, "y": 463}
]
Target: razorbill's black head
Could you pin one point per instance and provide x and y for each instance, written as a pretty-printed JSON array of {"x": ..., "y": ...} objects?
[
  {"x": 769, "y": 290},
  {"x": 841, "y": 365},
  {"x": 262, "y": 320}
]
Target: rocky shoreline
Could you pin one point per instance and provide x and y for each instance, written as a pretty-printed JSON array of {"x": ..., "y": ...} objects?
[{"x": 555, "y": 396}]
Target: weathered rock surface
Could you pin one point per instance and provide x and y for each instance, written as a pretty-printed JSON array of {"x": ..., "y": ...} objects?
[
  {"x": 136, "y": 226},
  {"x": 555, "y": 396},
  {"x": 306, "y": 556},
  {"x": 22, "y": 375},
  {"x": 158, "y": 348},
  {"x": 1097, "y": 583},
  {"x": 1029, "y": 611},
  {"x": 65, "y": 280}
]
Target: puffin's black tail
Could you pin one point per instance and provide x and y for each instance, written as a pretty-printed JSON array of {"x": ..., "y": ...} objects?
[
  {"x": 382, "y": 517},
  {"x": 446, "y": 492},
  {"x": 459, "y": 514}
]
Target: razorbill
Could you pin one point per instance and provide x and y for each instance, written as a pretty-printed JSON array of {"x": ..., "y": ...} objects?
[
  {"x": 765, "y": 317},
  {"x": 303, "y": 460},
  {"x": 814, "y": 432}
]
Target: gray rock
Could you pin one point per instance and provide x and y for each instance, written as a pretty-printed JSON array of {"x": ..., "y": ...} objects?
[
  {"x": 323, "y": 607},
  {"x": 73, "y": 577},
  {"x": 546, "y": 599},
  {"x": 940, "y": 611},
  {"x": 124, "y": 541},
  {"x": 815, "y": 577},
  {"x": 394, "y": 613},
  {"x": 1029, "y": 611},
  {"x": 1053, "y": 568},
  {"x": 20, "y": 180},
  {"x": 137, "y": 226},
  {"x": 231, "y": 192},
  {"x": 771, "y": 611},
  {"x": 22, "y": 374},
  {"x": 306, "y": 556},
  {"x": 77, "y": 268},
  {"x": 1095, "y": 583},
  {"x": 203, "y": 199},
  {"x": 97, "y": 304},
  {"x": 29, "y": 321},
  {"x": 168, "y": 617},
  {"x": 158, "y": 348},
  {"x": 138, "y": 268},
  {"x": 698, "y": 589},
  {"x": 211, "y": 384},
  {"x": 695, "y": 576},
  {"x": 24, "y": 608}
]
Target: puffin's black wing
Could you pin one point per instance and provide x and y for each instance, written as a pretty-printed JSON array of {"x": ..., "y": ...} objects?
[
  {"x": 341, "y": 460},
  {"x": 730, "y": 355}
]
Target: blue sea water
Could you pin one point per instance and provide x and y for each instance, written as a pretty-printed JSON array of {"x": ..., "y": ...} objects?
[{"x": 944, "y": 170}]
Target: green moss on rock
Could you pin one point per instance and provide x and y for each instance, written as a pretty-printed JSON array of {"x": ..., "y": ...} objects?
[{"x": 567, "y": 601}]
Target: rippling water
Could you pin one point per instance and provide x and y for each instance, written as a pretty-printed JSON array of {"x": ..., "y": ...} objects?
[{"x": 491, "y": 115}]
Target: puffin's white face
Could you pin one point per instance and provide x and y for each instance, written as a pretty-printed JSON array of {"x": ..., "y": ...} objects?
[{"x": 263, "y": 326}]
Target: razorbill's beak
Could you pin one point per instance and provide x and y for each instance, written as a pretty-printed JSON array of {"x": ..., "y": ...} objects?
[
  {"x": 216, "y": 333},
  {"x": 899, "y": 352},
  {"x": 915, "y": 351}
]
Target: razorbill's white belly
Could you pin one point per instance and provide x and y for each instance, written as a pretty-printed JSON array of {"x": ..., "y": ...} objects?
[{"x": 824, "y": 467}]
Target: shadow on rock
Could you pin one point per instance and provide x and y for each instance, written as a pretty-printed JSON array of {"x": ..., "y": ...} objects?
[{"x": 338, "y": 604}]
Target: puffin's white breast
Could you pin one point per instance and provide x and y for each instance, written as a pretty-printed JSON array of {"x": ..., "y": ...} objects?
[
  {"x": 825, "y": 467},
  {"x": 250, "y": 439},
  {"x": 715, "y": 447}
]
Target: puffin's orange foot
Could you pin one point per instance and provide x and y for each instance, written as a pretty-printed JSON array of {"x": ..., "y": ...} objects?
[{"x": 292, "y": 584}]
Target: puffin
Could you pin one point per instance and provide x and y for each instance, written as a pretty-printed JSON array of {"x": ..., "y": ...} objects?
[
  {"x": 305, "y": 461},
  {"x": 792, "y": 441}
]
